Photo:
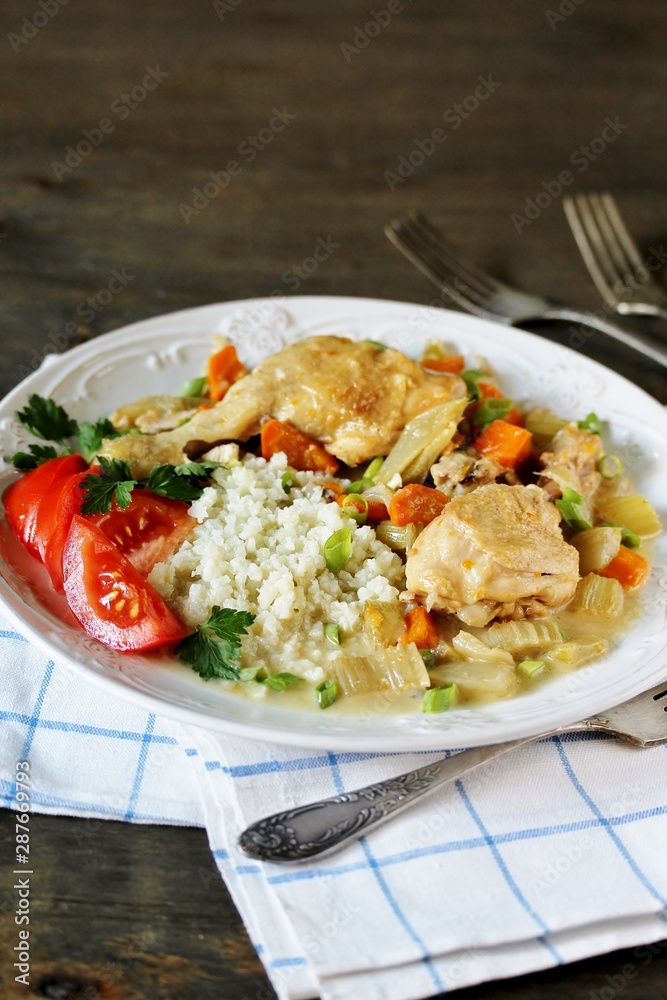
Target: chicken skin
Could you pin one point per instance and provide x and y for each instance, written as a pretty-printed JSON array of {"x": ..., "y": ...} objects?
[
  {"x": 497, "y": 552},
  {"x": 353, "y": 397}
]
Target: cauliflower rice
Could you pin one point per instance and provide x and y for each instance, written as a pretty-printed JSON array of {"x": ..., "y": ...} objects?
[{"x": 258, "y": 549}]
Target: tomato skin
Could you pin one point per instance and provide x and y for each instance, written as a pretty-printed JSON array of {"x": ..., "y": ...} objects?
[
  {"x": 29, "y": 502},
  {"x": 149, "y": 530},
  {"x": 110, "y": 598},
  {"x": 67, "y": 504}
]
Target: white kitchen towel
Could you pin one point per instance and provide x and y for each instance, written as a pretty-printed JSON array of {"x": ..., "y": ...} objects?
[{"x": 551, "y": 854}]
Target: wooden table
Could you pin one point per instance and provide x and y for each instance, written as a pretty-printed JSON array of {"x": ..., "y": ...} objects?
[{"x": 115, "y": 113}]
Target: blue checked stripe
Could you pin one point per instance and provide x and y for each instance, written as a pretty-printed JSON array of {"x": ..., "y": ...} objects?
[
  {"x": 452, "y": 846},
  {"x": 141, "y": 764},
  {"x": 386, "y": 891},
  {"x": 604, "y": 822},
  {"x": 505, "y": 872},
  {"x": 75, "y": 727},
  {"x": 102, "y": 808},
  {"x": 32, "y": 724}
]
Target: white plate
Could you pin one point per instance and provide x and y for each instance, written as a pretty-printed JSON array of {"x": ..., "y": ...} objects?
[{"x": 159, "y": 354}]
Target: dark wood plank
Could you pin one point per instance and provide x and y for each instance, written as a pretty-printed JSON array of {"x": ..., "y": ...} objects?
[{"x": 64, "y": 233}]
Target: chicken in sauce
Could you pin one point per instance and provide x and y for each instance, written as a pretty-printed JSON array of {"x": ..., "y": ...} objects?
[
  {"x": 497, "y": 552},
  {"x": 355, "y": 398}
]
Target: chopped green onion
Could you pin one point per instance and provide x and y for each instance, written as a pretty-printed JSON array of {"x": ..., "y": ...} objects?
[
  {"x": 351, "y": 504},
  {"x": 563, "y": 633},
  {"x": 610, "y": 466},
  {"x": 280, "y": 682},
  {"x": 571, "y": 510},
  {"x": 288, "y": 481},
  {"x": 193, "y": 387},
  {"x": 428, "y": 658},
  {"x": 332, "y": 633},
  {"x": 251, "y": 674},
  {"x": 326, "y": 693},
  {"x": 530, "y": 668},
  {"x": 337, "y": 549},
  {"x": 628, "y": 537},
  {"x": 359, "y": 485},
  {"x": 490, "y": 410},
  {"x": 376, "y": 343},
  {"x": 471, "y": 378},
  {"x": 439, "y": 699},
  {"x": 592, "y": 424},
  {"x": 373, "y": 469}
]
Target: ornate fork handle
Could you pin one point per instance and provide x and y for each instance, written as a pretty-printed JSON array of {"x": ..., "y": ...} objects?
[{"x": 323, "y": 827}]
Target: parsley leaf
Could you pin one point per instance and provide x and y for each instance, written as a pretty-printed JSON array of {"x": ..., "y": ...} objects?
[
  {"x": 47, "y": 420},
  {"x": 114, "y": 482},
  {"x": 166, "y": 482},
  {"x": 92, "y": 435},
  {"x": 199, "y": 469},
  {"x": 214, "y": 649},
  {"x": 36, "y": 455}
]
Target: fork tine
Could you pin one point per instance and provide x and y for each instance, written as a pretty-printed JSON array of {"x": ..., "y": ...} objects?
[
  {"x": 579, "y": 231},
  {"x": 622, "y": 234},
  {"x": 430, "y": 263},
  {"x": 614, "y": 247},
  {"x": 452, "y": 255},
  {"x": 604, "y": 258},
  {"x": 410, "y": 239}
]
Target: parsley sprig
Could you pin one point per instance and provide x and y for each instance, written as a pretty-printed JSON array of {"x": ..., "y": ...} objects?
[
  {"x": 114, "y": 482},
  {"x": 215, "y": 648},
  {"x": 49, "y": 421}
]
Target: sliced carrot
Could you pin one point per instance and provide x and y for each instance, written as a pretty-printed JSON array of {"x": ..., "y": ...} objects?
[
  {"x": 420, "y": 628},
  {"x": 628, "y": 567},
  {"x": 455, "y": 364},
  {"x": 510, "y": 446},
  {"x": 224, "y": 368},
  {"x": 329, "y": 486},
  {"x": 415, "y": 504},
  {"x": 303, "y": 452},
  {"x": 376, "y": 511},
  {"x": 490, "y": 391}
]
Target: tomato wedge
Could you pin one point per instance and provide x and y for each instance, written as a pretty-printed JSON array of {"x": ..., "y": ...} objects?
[
  {"x": 110, "y": 598},
  {"x": 149, "y": 530},
  {"x": 65, "y": 505},
  {"x": 30, "y": 501}
]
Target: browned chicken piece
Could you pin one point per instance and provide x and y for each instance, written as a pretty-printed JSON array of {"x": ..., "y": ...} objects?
[
  {"x": 462, "y": 471},
  {"x": 497, "y": 552},
  {"x": 353, "y": 397},
  {"x": 572, "y": 461}
]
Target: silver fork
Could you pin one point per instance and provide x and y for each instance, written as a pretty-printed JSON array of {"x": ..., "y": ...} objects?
[
  {"x": 488, "y": 297},
  {"x": 325, "y": 826},
  {"x": 612, "y": 257}
]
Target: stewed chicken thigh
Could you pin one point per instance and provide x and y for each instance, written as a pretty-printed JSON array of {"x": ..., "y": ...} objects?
[{"x": 497, "y": 552}]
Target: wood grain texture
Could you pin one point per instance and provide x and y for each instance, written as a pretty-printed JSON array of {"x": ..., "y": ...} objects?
[{"x": 138, "y": 912}]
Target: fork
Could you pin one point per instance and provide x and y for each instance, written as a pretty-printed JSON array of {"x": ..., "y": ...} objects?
[
  {"x": 612, "y": 257},
  {"x": 488, "y": 297},
  {"x": 323, "y": 827}
]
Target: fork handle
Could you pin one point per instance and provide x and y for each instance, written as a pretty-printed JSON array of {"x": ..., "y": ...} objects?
[
  {"x": 327, "y": 825},
  {"x": 596, "y": 322}
]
